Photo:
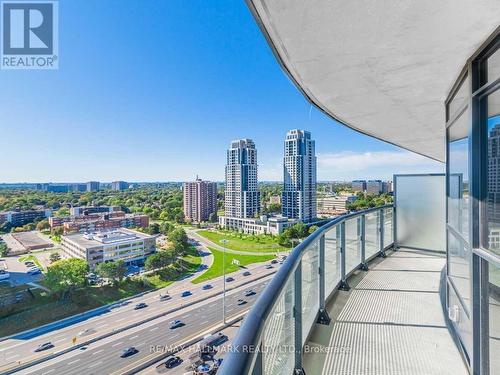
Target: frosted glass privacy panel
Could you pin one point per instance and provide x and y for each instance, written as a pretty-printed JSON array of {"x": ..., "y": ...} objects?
[{"x": 420, "y": 211}]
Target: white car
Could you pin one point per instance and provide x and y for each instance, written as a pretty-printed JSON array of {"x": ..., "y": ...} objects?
[{"x": 4, "y": 275}]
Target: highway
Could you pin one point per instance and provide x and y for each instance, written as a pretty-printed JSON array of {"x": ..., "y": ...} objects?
[
  {"x": 103, "y": 357},
  {"x": 121, "y": 316}
]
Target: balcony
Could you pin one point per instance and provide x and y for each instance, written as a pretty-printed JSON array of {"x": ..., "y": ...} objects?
[{"x": 352, "y": 300}]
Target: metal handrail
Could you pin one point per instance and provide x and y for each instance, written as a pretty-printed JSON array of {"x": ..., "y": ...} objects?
[{"x": 242, "y": 356}]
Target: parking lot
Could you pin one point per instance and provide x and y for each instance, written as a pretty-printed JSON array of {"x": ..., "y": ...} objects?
[{"x": 18, "y": 271}]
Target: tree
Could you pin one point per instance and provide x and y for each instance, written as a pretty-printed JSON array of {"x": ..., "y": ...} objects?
[
  {"x": 159, "y": 260},
  {"x": 166, "y": 228},
  {"x": 179, "y": 240},
  {"x": 153, "y": 228},
  {"x": 114, "y": 270},
  {"x": 4, "y": 250},
  {"x": 312, "y": 229},
  {"x": 213, "y": 217},
  {"x": 66, "y": 275},
  {"x": 54, "y": 257},
  {"x": 43, "y": 225}
]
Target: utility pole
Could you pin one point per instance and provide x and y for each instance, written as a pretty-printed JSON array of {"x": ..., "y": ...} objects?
[{"x": 224, "y": 242}]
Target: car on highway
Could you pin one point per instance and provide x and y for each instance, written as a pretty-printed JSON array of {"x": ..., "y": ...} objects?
[
  {"x": 84, "y": 332},
  {"x": 176, "y": 324},
  {"x": 44, "y": 346},
  {"x": 173, "y": 362},
  {"x": 141, "y": 305},
  {"x": 250, "y": 292},
  {"x": 165, "y": 297},
  {"x": 186, "y": 293},
  {"x": 207, "y": 286},
  {"x": 127, "y": 352},
  {"x": 274, "y": 261},
  {"x": 229, "y": 279},
  {"x": 269, "y": 266},
  {"x": 247, "y": 273},
  {"x": 241, "y": 302}
]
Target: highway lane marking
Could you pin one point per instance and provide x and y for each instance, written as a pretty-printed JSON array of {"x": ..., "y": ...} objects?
[
  {"x": 186, "y": 316},
  {"x": 174, "y": 336},
  {"x": 134, "y": 337},
  {"x": 12, "y": 356},
  {"x": 153, "y": 329},
  {"x": 61, "y": 340},
  {"x": 97, "y": 352},
  {"x": 48, "y": 372},
  {"x": 119, "y": 320},
  {"x": 95, "y": 364},
  {"x": 204, "y": 322},
  {"x": 118, "y": 343},
  {"x": 102, "y": 325},
  {"x": 72, "y": 362},
  {"x": 142, "y": 343}
]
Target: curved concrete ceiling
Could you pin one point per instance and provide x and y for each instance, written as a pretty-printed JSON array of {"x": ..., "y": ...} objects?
[{"x": 382, "y": 67}]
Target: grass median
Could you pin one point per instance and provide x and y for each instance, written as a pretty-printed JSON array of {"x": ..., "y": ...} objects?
[
  {"x": 216, "y": 269},
  {"x": 245, "y": 242}
]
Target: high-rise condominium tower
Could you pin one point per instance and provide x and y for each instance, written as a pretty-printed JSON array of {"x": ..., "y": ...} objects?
[
  {"x": 242, "y": 197},
  {"x": 299, "y": 189},
  {"x": 200, "y": 200}
]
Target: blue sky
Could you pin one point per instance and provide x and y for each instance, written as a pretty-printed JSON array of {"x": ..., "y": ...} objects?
[{"x": 156, "y": 90}]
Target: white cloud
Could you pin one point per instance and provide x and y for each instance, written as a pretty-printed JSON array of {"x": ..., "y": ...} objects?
[{"x": 373, "y": 165}]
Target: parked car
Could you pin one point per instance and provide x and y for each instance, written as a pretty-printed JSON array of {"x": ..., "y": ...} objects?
[
  {"x": 207, "y": 286},
  {"x": 229, "y": 279},
  {"x": 29, "y": 263},
  {"x": 247, "y": 273},
  {"x": 165, "y": 297},
  {"x": 141, "y": 305},
  {"x": 176, "y": 324},
  {"x": 44, "y": 346},
  {"x": 173, "y": 362},
  {"x": 34, "y": 271},
  {"x": 186, "y": 293},
  {"x": 4, "y": 275},
  {"x": 250, "y": 292},
  {"x": 128, "y": 352}
]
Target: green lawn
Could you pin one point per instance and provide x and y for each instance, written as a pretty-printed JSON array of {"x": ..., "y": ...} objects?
[
  {"x": 245, "y": 242},
  {"x": 216, "y": 269}
]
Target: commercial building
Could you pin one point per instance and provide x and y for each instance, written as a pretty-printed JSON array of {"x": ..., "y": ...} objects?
[
  {"x": 359, "y": 185},
  {"x": 299, "y": 180},
  {"x": 93, "y": 186},
  {"x": 241, "y": 195},
  {"x": 200, "y": 200},
  {"x": 264, "y": 225},
  {"x": 85, "y": 210},
  {"x": 119, "y": 185},
  {"x": 18, "y": 218},
  {"x": 62, "y": 188},
  {"x": 335, "y": 205},
  {"x": 120, "y": 244},
  {"x": 99, "y": 221},
  {"x": 374, "y": 187}
]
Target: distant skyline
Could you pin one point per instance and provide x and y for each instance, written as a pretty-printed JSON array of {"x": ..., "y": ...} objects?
[{"x": 157, "y": 93}]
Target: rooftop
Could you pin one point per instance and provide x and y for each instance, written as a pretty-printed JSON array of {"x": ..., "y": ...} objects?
[{"x": 106, "y": 237}]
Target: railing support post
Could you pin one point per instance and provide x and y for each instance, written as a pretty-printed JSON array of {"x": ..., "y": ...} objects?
[
  {"x": 258, "y": 368},
  {"x": 323, "y": 317},
  {"x": 297, "y": 312},
  {"x": 395, "y": 246},
  {"x": 364, "y": 265},
  {"x": 381, "y": 229},
  {"x": 343, "y": 284}
]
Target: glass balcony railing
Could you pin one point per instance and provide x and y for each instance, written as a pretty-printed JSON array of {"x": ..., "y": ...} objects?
[{"x": 275, "y": 330}]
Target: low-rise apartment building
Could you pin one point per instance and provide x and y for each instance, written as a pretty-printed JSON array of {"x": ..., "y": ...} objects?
[
  {"x": 18, "y": 218},
  {"x": 264, "y": 225},
  {"x": 119, "y": 244},
  {"x": 98, "y": 222},
  {"x": 335, "y": 205}
]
